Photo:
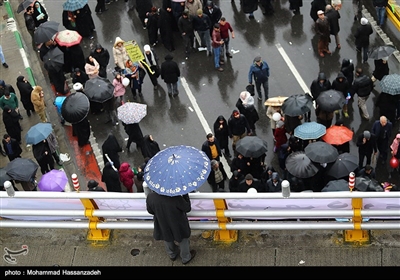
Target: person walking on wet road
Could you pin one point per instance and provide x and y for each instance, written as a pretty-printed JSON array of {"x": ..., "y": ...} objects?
[
  {"x": 216, "y": 43},
  {"x": 362, "y": 38},
  {"x": 322, "y": 28},
  {"x": 362, "y": 86},
  {"x": 260, "y": 71},
  {"x": 366, "y": 143},
  {"x": 382, "y": 128},
  {"x": 171, "y": 224},
  {"x": 170, "y": 73}
]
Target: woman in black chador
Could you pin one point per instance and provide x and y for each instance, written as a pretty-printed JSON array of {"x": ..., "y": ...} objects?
[{"x": 111, "y": 147}]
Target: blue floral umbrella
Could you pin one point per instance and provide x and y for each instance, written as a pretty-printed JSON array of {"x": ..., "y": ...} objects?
[
  {"x": 309, "y": 131},
  {"x": 177, "y": 170},
  {"x": 73, "y": 5}
]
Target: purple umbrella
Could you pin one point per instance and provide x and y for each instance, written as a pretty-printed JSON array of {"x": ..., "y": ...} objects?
[{"x": 53, "y": 181}]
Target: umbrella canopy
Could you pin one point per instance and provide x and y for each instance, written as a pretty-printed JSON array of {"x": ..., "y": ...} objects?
[
  {"x": 391, "y": 84},
  {"x": 4, "y": 177},
  {"x": 177, "y": 170},
  {"x": 340, "y": 185},
  {"x": 365, "y": 184},
  {"x": 251, "y": 146},
  {"x": 321, "y": 152},
  {"x": 53, "y": 181},
  {"x": 297, "y": 105},
  {"x": 75, "y": 107},
  {"x": 23, "y": 5},
  {"x": 309, "y": 130},
  {"x": 381, "y": 52},
  {"x": 131, "y": 112},
  {"x": 275, "y": 101},
  {"x": 99, "y": 89},
  {"x": 330, "y": 100},
  {"x": 68, "y": 38},
  {"x": 21, "y": 169},
  {"x": 45, "y": 31},
  {"x": 337, "y": 135},
  {"x": 300, "y": 165},
  {"x": 73, "y": 5},
  {"x": 343, "y": 165},
  {"x": 38, "y": 133},
  {"x": 53, "y": 60}
]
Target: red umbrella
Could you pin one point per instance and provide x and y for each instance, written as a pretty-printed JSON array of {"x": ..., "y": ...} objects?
[
  {"x": 337, "y": 135},
  {"x": 68, "y": 38}
]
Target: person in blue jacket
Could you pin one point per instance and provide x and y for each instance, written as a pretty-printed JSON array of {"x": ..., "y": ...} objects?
[{"x": 260, "y": 71}]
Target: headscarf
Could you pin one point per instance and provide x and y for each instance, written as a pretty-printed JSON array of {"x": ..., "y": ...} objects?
[{"x": 246, "y": 98}]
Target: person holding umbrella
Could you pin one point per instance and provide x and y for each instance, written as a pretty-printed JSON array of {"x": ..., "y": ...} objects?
[
  {"x": 42, "y": 153},
  {"x": 381, "y": 69}
]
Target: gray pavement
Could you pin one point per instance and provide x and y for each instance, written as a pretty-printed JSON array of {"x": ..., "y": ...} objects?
[{"x": 66, "y": 247}]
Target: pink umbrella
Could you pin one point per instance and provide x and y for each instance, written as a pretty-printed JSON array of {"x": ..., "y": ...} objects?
[{"x": 53, "y": 181}]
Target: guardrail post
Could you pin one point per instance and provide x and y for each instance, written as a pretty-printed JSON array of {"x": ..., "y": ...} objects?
[
  {"x": 357, "y": 235},
  {"x": 94, "y": 233},
  {"x": 223, "y": 234}
]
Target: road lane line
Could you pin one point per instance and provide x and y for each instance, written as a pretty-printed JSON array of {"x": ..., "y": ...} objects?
[{"x": 203, "y": 121}]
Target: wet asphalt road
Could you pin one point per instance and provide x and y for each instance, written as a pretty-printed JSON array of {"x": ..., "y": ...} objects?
[{"x": 174, "y": 121}]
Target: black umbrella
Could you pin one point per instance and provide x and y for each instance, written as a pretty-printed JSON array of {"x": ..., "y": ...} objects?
[
  {"x": 300, "y": 165},
  {"x": 330, "y": 100},
  {"x": 251, "y": 146},
  {"x": 75, "y": 107},
  {"x": 336, "y": 186},
  {"x": 4, "y": 177},
  {"x": 321, "y": 152},
  {"x": 21, "y": 169},
  {"x": 99, "y": 89},
  {"x": 53, "y": 60},
  {"x": 381, "y": 52},
  {"x": 22, "y": 6},
  {"x": 365, "y": 184},
  {"x": 45, "y": 31},
  {"x": 297, "y": 105},
  {"x": 343, "y": 165}
]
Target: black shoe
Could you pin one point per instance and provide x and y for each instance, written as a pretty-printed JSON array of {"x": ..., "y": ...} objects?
[
  {"x": 193, "y": 254},
  {"x": 174, "y": 258},
  {"x": 5, "y": 65},
  {"x": 140, "y": 94},
  {"x": 229, "y": 55}
]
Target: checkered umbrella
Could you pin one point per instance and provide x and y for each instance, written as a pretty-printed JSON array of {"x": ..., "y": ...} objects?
[
  {"x": 310, "y": 130},
  {"x": 391, "y": 84},
  {"x": 73, "y": 5},
  {"x": 131, "y": 112}
]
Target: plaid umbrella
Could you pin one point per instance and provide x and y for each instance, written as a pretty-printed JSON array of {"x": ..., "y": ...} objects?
[
  {"x": 309, "y": 130},
  {"x": 73, "y": 5},
  {"x": 131, "y": 112},
  {"x": 391, "y": 84}
]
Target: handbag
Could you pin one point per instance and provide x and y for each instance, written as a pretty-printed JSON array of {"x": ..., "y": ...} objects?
[{"x": 250, "y": 88}]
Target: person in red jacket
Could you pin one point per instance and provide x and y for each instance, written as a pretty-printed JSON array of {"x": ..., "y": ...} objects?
[
  {"x": 280, "y": 137},
  {"x": 126, "y": 176}
]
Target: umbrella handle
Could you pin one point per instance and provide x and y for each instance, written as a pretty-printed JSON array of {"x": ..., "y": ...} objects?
[{"x": 112, "y": 164}]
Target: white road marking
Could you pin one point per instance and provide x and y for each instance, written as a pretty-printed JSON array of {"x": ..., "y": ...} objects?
[{"x": 203, "y": 121}]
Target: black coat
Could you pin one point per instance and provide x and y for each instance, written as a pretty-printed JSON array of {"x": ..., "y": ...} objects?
[
  {"x": 111, "y": 147},
  {"x": 170, "y": 70},
  {"x": 369, "y": 146},
  {"x": 82, "y": 131},
  {"x": 134, "y": 132},
  {"x": 381, "y": 69},
  {"x": 257, "y": 184},
  {"x": 347, "y": 68},
  {"x": 249, "y": 6},
  {"x": 211, "y": 176},
  {"x": 342, "y": 86},
  {"x": 25, "y": 90},
  {"x": 11, "y": 123},
  {"x": 149, "y": 147},
  {"x": 317, "y": 5},
  {"x": 222, "y": 134},
  {"x": 333, "y": 19},
  {"x": 295, "y": 4},
  {"x": 316, "y": 88},
  {"x": 205, "y": 147},
  {"x": 170, "y": 218},
  {"x": 84, "y": 21},
  {"x": 103, "y": 58},
  {"x": 362, "y": 85},
  {"x": 234, "y": 182},
  {"x": 362, "y": 35},
  {"x": 250, "y": 112},
  {"x": 111, "y": 178},
  {"x": 73, "y": 58},
  {"x": 36, "y": 13},
  {"x": 16, "y": 148},
  {"x": 387, "y": 104},
  {"x": 215, "y": 16},
  {"x": 238, "y": 126}
]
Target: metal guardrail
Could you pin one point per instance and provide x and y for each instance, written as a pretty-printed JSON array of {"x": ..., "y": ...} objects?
[{"x": 220, "y": 215}]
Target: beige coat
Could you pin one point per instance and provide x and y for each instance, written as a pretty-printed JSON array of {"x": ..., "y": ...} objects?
[
  {"x": 37, "y": 99},
  {"x": 92, "y": 70},
  {"x": 120, "y": 54}
]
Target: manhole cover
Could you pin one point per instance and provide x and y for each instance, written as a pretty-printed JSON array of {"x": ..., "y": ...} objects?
[{"x": 135, "y": 252}]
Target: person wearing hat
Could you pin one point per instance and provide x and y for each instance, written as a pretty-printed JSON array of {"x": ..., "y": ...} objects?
[
  {"x": 251, "y": 182},
  {"x": 120, "y": 54},
  {"x": 185, "y": 26},
  {"x": 381, "y": 69},
  {"x": 260, "y": 71},
  {"x": 102, "y": 56},
  {"x": 217, "y": 176},
  {"x": 151, "y": 65},
  {"x": 280, "y": 136},
  {"x": 93, "y": 186},
  {"x": 366, "y": 143},
  {"x": 362, "y": 38},
  {"x": 216, "y": 43},
  {"x": 202, "y": 25},
  {"x": 322, "y": 28}
]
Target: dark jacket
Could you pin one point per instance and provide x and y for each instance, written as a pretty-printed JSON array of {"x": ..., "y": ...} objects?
[
  {"x": 205, "y": 147},
  {"x": 103, "y": 58},
  {"x": 257, "y": 184},
  {"x": 260, "y": 74},
  {"x": 170, "y": 70},
  {"x": 369, "y": 146},
  {"x": 170, "y": 218},
  {"x": 381, "y": 69},
  {"x": 380, "y": 3},
  {"x": 341, "y": 84},
  {"x": 185, "y": 25},
  {"x": 387, "y": 104},
  {"x": 222, "y": 134},
  {"x": 333, "y": 19},
  {"x": 15, "y": 147},
  {"x": 347, "y": 69},
  {"x": 362, "y": 85},
  {"x": 37, "y": 13},
  {"x": 149, "y": 147},
  {"x": 249, "y": 6},
  {"x": 211, "y": 176},
  {"x": 381, "y": 131},
  {"x": 29, "y": 22},
  {"x": 111, "y": 147},
  {"x": 25, "y": 90},
  {"x": 202, "y": 23},
  {"x": 111, "y": 178},
  {"x": 317, "y": 5},
  {"x": 316, "y": 88},
  {"x": 250, "y": 112},
  {"x": 238, "y": 126},
  {"x": 362, "y": 35},
  {"x": 216, "y": 14},
  {"x": 234, "y": 181}
]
